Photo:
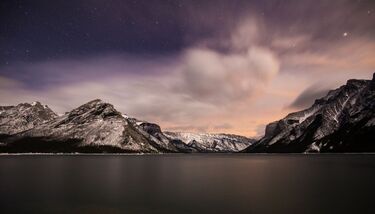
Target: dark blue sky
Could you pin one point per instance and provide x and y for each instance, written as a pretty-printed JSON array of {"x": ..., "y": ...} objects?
[
  {"x": 37, "y": 30},
  {"x": 42, "y": 29}
]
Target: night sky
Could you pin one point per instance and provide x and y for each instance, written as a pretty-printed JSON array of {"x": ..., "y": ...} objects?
[{"x": 214, "y": 66}]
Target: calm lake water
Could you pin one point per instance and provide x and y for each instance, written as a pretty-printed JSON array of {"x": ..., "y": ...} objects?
[{"x": 208, "y": 183}]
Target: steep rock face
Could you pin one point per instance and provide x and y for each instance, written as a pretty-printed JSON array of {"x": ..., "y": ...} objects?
[
  {"x": 93, "y": 127},
  {"x": 342, "y": 121},
  {"x": 14, "y": 119},
  {"x": 154, "y": 134},
  {"x": 203, "y": 142}
]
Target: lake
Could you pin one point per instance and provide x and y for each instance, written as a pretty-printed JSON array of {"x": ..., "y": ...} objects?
[{"x": 185, "y": 183}]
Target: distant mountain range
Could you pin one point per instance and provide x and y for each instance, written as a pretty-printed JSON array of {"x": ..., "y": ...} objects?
[
  {"x": 342, "y": 121},
  {"x": 203, "y": 142},
  {"x": 97, "y": 127}
]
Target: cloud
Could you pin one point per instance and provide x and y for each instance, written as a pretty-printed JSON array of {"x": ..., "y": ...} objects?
[
  {"x": 188, "y": 128},
  {"x": 260, "y": 130},
  {"x": 45, "y": 74},
  {"x": 194, "y": 90},
  {"x": 6, "y": 83},
  {"x": 308, "y": 96},
  {"x": 219, "y": 78},
  {"x": 223, "y": 126},
  {"x": 289, "y": 42},
  {"x": 249, "y": 70},
  {"x": 246, "y": 35}
]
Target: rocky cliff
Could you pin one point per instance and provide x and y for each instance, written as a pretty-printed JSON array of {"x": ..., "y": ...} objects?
[{"x": 342, "y": 121}]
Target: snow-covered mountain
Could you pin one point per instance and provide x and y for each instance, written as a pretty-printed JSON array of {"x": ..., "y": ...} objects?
[
  {"x": 93, "y": 127},
  {"x": 154, "y": 133},
  {"x": 98, "y": 127},
  {"x": 342, "y": 121},
  {"x": 204, "y": 142},
  {"x": 14, "y": 119}
]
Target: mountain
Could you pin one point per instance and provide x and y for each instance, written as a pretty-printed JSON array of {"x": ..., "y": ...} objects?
[
  {"x": 93, "y": 127},
  {"x": 14, "y": 119},
  {"x": 342, "y": 121},
  {"x": 154, "y": 133},
  {"x": 98, "y": 127},
  {"x": 203, "y": 142}
]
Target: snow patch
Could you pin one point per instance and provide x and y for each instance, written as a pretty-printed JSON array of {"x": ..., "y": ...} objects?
[
  {"x": 211, "y": 142},
  {"x": 307, "y": 115},
  {"x": 313, "y": 148},
  {"x": 139, "y": 123}
]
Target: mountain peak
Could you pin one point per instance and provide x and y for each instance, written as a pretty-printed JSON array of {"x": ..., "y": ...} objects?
[
  {"x": 24, "y": 116},
  {"x": 96, "y": 101},
  {"x": 356, "y": 83},
  {"x": 35, "y": 103},
  {"x": 340, "y": 121},
  {"x": 94, "y": 126},
  {"x": 95, "y": 108}
]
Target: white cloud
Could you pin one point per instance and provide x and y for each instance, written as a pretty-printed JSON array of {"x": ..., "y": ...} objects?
[
  {"x": 188, "y": 90},
  {"x": 239, "y": 81},
  {"x": 219, "y": 78}
]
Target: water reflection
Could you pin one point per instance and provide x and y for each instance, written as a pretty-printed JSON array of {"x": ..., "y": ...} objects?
[{"x": 187, "y": 184}]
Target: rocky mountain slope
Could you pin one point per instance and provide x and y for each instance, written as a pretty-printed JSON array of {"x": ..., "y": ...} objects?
[
  {"x": 14, "y": 119},
  {"x": 93, "y": 127},
  {"x": 342, "y": 121},
  {"x": 204, "y": 142},
  {"x": 98, "y": 127}
]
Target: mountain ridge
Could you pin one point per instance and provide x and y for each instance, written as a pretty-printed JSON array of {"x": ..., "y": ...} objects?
[
  {"x": 92, "y": 127},
  {"x": 328, "y": 124},
  {"x": 212, "y": 142},
  {"x": 341, "y": 121},
  {"x": 23, "y": 116}
]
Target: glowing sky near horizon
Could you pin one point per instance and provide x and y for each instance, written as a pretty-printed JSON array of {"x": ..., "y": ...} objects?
[{"x": 202, "y": 66}]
